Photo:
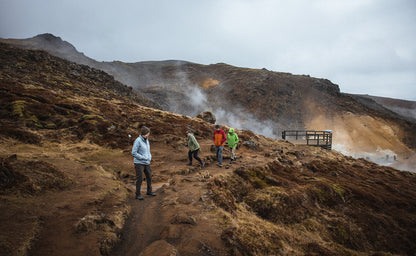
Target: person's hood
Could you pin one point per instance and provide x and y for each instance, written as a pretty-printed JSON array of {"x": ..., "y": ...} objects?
[{"x": 231, "y": 130}]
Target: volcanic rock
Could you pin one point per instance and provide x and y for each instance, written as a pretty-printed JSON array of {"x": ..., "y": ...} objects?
[{"x": 207, "y": 116}]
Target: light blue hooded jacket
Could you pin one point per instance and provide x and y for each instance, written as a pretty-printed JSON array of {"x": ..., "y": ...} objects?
[{"x": 141, "y": 151}]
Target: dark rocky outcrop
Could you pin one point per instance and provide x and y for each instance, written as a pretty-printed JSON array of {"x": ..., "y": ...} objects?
[{"x": 207, "y": 116}]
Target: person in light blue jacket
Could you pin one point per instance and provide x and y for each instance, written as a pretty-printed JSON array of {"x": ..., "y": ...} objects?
[{"x": 141, "y": 159}]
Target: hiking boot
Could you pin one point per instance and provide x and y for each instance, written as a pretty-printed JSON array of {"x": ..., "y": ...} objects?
[
  {"x": 189, "y": 164},
  {"x": 150, "y": 194},
  {"x": 139, "y": 197},
  {"x": 219, "y": 165}
]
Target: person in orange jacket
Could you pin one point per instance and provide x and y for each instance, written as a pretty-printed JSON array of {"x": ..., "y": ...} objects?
[{"x": 219, "y": 141}]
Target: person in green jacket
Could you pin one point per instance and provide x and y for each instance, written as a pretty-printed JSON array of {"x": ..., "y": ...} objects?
[
  {"x": 193, "y": 148},
  {"x": 232, "y": 140}
]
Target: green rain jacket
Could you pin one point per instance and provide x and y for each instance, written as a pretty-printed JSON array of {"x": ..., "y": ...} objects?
[
  {"x": 232, "y": 138},
  {"x": 192, "y": 143}
]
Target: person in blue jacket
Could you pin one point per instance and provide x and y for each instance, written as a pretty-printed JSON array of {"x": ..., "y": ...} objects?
[{"x": 141, "y": 158}]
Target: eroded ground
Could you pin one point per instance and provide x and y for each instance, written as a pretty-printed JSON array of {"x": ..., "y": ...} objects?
[{"x": 67, "y": 179}]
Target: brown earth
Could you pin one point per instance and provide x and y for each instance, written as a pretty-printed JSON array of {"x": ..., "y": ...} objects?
[
  {"x": 67, "y": 180},
  {"x": 264, "y": 101}
]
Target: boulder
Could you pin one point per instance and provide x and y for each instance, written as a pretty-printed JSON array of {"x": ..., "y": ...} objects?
[
  {"x": 250, "y": 144},
  {"x": 207, "y": 116}
]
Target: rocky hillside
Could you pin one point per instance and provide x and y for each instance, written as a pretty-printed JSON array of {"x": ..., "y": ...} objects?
[
  {"x": 405, "y": 108},
  {"x": 67, "y": 179},
  {"x": 263, "y": 101}
]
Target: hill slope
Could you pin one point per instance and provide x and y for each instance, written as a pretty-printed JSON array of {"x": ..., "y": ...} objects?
[
  {"x": 67, "y": 180},
  {"x": 405, "y": 108},
  {"x": 262, "y": 101}
]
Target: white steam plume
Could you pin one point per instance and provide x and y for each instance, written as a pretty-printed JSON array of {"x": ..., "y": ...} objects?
[{"x": 233, "y": 116}]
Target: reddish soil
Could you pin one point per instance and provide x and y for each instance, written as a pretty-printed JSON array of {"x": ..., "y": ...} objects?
[{"x": 180, "y": 213}]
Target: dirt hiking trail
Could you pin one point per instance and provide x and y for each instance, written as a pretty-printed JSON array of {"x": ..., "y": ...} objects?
[{"x": 180, "y": 213}]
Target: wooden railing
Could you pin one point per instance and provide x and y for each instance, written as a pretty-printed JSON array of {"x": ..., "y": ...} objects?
[{"x": 321, "y": 139}]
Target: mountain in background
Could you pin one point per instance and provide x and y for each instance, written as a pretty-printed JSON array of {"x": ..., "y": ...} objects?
[
  {"x": 264, "y": 101},
  {"x": 405, "y": 108}
]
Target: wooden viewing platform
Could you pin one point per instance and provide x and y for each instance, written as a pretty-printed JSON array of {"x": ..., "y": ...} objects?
[{"x": 321, "y": 139}]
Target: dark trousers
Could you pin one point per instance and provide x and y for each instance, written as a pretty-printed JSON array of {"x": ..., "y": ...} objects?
[
  {"x": 140, "y": 168},
  {"x": 218, "y": 151},
  {"x": 195, "y": 154}
]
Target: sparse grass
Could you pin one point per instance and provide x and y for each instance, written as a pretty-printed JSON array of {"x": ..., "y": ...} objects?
[
  {"x": 255, "y": 236},
  {"x": 18, "y": 107},
  {"x": 339, "y": 190},
  {"x": 97, "y": 153},
  {"x": 33, "y": 121},
  {"x": 92, "y": 117},
  {"x": 109, "y": 195},
  {"x": 22, "y": 135},
  {"x": 311, "y": 206}
]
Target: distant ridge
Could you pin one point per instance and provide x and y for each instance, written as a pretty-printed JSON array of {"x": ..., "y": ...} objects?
[
  {"x": 405, "y": 108},
  {"x": 54, "y": 45}
]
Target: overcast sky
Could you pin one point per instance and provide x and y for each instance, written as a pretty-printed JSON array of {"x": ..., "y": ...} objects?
[{"x": 364, "y": 46}]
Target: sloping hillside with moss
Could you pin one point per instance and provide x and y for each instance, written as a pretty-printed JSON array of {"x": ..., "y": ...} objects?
[
  {"x": 67, "y": 179},
  {"x": 264, "y": 101}
]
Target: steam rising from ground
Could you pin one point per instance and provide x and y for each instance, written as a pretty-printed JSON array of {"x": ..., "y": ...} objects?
[
  {"x": 197, "y": 98},
  {"x": 195, "y": 101},
  {"x": 364, "y": 144},
  {"x": 236, "y": 118},
  {"x": 231, "y": 115},
  {"x": 387, "y": 157}
]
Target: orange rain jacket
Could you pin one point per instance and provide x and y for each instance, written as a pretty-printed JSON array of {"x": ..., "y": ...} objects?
[{"x": 219, "y": 138}]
